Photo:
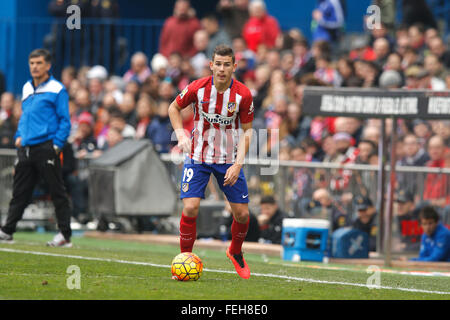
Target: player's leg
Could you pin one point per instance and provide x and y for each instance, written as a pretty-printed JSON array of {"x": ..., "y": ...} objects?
[
  {"x": 193, "y": 184},
  {"x": 239, "y": 228},
  {"x": 24, "y": 181},
  {"x": 49, "y": 166},
  {"x": 188, "y": 224},
  {"x": 237, "y": 195}
]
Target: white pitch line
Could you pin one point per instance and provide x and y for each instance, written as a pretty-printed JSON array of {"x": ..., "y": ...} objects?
[{"x": 220, "y": 271}]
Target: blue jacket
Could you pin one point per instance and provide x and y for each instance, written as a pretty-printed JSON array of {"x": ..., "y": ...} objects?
[
  {"x": 332, "y": 20},
  {"x": 436, "y": 247},
  {"x": 45, "y": 113}
]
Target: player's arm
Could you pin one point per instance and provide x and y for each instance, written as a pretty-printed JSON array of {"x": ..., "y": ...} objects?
[
  {"x": 232, "y": 173},
  {"x": 184, "y": 143}
]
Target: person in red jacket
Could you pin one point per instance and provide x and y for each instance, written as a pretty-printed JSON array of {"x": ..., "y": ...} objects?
[
  {"x": 436, "y": 185},
  {"x": 178, "y": 31},
  {"x": 261, "y": 28}
]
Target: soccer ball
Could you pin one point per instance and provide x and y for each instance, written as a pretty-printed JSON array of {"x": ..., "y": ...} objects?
[{"x": 187, "y": 266}]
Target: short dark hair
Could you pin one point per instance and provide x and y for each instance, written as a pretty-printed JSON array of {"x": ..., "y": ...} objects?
[
  {"x": 369, "y": 142},
  {"x": 223, "y": 50},
  {"x": 268, "y": 200},
  {"x": 41, "y": 53},
  {"x": 116, "y": 113},
  {"x": 429, "y": 212}
]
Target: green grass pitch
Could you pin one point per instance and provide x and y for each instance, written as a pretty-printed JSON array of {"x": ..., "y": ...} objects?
[{"x": 123, "y": 270}]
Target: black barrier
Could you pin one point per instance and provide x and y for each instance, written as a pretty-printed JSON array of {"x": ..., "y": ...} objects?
[{"x": 376, "y": 103}]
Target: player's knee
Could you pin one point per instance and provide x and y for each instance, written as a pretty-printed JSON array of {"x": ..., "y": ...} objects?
[
  {"x": 190, "y": 209},
  {"x": 242, "y": 216}
]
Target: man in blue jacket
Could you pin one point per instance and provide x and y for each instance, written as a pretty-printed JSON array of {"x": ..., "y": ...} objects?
[
  {"x": 435, "y": 244},
  {"x": 41, "y": 134}
]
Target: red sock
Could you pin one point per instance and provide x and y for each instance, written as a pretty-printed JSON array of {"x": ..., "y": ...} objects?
[
  {"x": 188, "y": 233},
  {"x": 238, "y": 234}
]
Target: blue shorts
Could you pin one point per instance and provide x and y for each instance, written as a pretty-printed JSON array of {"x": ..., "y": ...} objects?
[{"x": 195, "y": 178}]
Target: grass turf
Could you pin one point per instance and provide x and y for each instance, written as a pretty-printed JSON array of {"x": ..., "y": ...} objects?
[{"x": 28, "y": 276}]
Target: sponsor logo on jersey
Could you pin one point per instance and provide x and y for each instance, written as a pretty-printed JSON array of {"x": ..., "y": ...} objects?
[{"x": 218, "y": 119}]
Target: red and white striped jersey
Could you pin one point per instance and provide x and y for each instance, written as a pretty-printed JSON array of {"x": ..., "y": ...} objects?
[{"x": 217, "y": 118}]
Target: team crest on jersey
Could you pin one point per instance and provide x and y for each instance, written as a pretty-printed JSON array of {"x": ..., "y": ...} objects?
[
  {"x": 231, "y": 107},
  {"x": 183, "y": 92},
  {"x": 185, "y": 187}
]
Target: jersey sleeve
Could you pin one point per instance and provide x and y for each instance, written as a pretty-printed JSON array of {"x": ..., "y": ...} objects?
[
  {"x": 187, "y": 96},
  {"x": 246, "y": 108}
]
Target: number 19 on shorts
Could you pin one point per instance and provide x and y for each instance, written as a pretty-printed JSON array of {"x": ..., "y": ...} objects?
[{"x": 188, "y": 174}]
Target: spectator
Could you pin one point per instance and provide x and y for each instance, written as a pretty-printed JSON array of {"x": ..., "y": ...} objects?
[
  {"x": 217, "y": 36},
  {"x": 68, "y": 75},
  {"x": 85, "y": 146},
  {"x": 298, "y": 125},
  {"x": 234, "y": 15},
  {"x": 178, "y": 31},
  {"x": 324, "y": 208},
  {"x": 113, "y": 138},
  {"x": 144, "y": 113},
  {"x": 159, "y": 64},
  {"x": 416, "y": 35},
  {"x": 224, "y": 233},
  {"x": 427, "y": 81},
  {"x": 436, "y": 184},
  {"x": 82, "y": 101},
  {"x": 435, "y": 245},
  {"x": 328, "y": 19},
  {"x": 261, "y": 28},
  {"x": 435, "y": 68},
  {"x": 6, "y": 105},
  {"x": 390, "y": 79},
  {"x": 270, "y": 221},
  {"x": 438, "y": 48},
  {"x": 366, "y": 149},
  {"x": 201, "y": 59},
  {"x": 8, "y": 124},
  {"x": 406, "y": 226},
  {"x": 381, "y": 49},
  {"x": 117, "y": 120},
  {"x": 360, "y": 50},
  {"x": 160, "y": 130},
  {"x": 415, "y": 155},
  {"x": 325, "y": 72},
  {"x": 346, "y": 71},
  {"x": 417, "y": 11},
  {"x": 366, "y": 219},
  {"x": 139, "y": 70},
  {"x": 128, "y": 109},
  {"x": 302, "y": 182},
  {"x": 343, "y": 144},
  {"x": 442, "y": 129}
]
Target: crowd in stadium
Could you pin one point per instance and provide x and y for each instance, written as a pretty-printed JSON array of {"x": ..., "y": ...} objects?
[{"x": 276, "y": 65}]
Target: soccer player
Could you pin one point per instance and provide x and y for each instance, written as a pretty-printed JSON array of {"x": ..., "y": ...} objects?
[{"x": 223, "y": 115}]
